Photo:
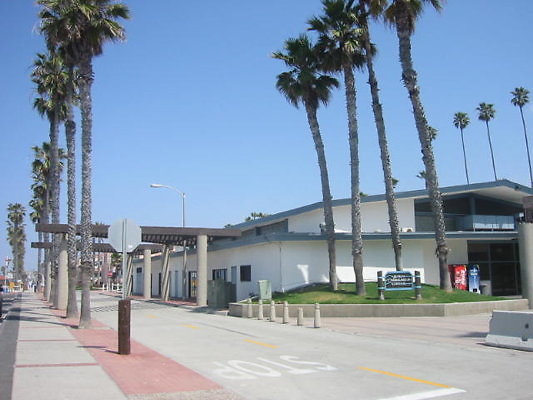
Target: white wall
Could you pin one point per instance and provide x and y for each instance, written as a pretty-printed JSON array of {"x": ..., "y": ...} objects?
[
  {"x": 374, "y": 215},
  {"x": 291, "y": 264}
]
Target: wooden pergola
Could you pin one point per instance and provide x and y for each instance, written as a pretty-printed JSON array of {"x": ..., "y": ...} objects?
[{"x": 155, "y": 239}]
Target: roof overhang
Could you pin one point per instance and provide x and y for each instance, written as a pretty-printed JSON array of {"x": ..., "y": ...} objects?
[{"x": 165, "y": 235}]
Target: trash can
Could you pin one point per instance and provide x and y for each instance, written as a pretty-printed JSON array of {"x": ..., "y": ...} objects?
[
  {"x": 473, "y": 278},
  {"x": 485, "y": 287},
  {"x": 458, "y": 276},
  {"x": 265, "y": 290}
]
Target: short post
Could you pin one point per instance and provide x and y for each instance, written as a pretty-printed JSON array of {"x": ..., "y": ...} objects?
[
  {"x": 381, "y": 286},
  {"x": 124, "y": 316},
  {"x": 418, "y": 286},
  {"x": 249, "y": 308},
  {"x": 260, "y": 310},
  {"x": 317, "y": 315},
  {"x": 272, "y": 311},
  {"x": 285, "y": 312},
  {"x": 300, "y": 318}
]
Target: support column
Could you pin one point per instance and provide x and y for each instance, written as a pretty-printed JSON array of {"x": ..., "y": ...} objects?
[
  {"x": 165, "y": 284},
  {"x": 47, "y": 276},
  {"x": 62, "y": 275},
  {"x": 147, "y": 270},
  {"x": 525, "y": 243},
  {"x": 201, "y": 253}
]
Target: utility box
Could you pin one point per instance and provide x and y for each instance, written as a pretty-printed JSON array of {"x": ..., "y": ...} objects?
[
  {"x": 265, "y": 290},
  {"x": 219, "y": 293}
]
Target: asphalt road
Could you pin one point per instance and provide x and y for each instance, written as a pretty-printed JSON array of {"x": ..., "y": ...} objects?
[
  {"x": 9, "y": 326},
  {"x": 265, "y": 360}
]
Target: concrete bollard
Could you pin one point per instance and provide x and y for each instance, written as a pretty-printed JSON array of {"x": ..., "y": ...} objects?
[
  {"x": 317, "y": 315},
  {"x": 249, "y": 308},
  {"x": 260, "y": 310},
  {"x": 285, "y": 313},
  {"x": 381, "y": 286},
  {"x": 300, "y": 318},
  {"x": 418, "y": 286},
  {"x": 272, "y": 311}
]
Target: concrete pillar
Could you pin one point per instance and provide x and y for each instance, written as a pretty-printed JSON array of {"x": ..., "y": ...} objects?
[
  {"x": 525, "y": 242},
  {"x": 165, "y": 273},
  {"x": 201, "y": 252},
  {"x": 62, "y": 275},
  {"x": 147, "y": 286},
  {"x": 47, "y": 276}
]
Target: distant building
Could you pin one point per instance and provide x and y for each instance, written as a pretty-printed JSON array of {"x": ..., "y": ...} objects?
[{"x": 289, "y": 248}]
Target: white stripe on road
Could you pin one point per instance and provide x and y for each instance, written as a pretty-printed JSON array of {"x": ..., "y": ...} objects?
[{"x": 427, "y": 395}]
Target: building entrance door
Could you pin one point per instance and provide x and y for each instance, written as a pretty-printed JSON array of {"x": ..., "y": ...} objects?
[
  {"x": 193, "y": 283},
  {"x": 498, "y": 263}
]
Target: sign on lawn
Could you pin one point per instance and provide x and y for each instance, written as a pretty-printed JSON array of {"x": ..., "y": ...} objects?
[{"x": 398, "y": 280}]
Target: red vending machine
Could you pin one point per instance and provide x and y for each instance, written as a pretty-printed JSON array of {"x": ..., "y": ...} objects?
[{"x": 458, "y": 276}]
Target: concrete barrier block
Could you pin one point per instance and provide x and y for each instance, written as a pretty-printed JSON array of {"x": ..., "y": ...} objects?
[{"x": 511, "y": 329}]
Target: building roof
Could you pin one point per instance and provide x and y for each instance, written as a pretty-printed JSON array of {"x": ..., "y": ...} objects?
[
  {"x": 166, "y": 235},
  {"x": 501, "y": 189}
]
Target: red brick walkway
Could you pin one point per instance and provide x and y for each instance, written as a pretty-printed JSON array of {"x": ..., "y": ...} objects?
[{"x": 144, "y": 371}]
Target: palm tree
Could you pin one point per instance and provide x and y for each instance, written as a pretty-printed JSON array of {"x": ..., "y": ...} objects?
[
  {"x": 375, "y": 8},
  {"x": 17, "y": 237},
  {"x": 402, "y": 15},
  {"x": 80, "y": 28},
  {"x": 340, "y": 48},
  {"x": 486, "y": 113},
  {"x": 40, "y": 205},
  {"x": 520, "y": 99},
  {"x": 304, "y": 84},
  {"x": 461, "y": 121},
  {"x": 50, "y": 77},
  {"x": 41, "y": 176}
]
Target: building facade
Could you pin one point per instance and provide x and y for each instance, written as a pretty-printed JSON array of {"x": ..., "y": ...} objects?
[{"x": 289, "y": 248}]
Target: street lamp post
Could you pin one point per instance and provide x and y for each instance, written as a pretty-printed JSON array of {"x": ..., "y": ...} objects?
[{"x": 182, "y": 194}]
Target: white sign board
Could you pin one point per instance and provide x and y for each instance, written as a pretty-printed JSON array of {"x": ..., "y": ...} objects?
[{"x": 124, "y": 235}]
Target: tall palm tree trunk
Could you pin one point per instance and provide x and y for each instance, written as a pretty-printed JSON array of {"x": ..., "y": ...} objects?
[
  {"x": 464, "y": 157},
  {"x": 385, "y": 154},
  {"x": 47, "y": 253},
  {"x": 86, "y": 80},
  {"x": 527, "y": 147},
  {"x": 54, "y": 198},
  {"x": 353, "y": 139},
  {"x": 326, "y": 194},
  {"x": 410, "y": 81},
  {"x": 491, "y": 152},
  {"x": 70, "y": 133}
]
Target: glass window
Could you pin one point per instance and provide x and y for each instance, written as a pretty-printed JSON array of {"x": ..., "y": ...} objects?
[
  {"x": 219, "y": 274},
  {"x": 502, "y": 252},
  {"x": 478, "y": 252},
  {"x": 246, "y": 273}
]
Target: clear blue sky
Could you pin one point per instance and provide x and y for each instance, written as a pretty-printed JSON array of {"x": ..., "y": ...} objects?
[{"x": 189, "y": 100}]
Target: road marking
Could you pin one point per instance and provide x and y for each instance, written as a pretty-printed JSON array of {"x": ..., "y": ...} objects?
[
  {"x": 408, "y": 378},
  {"x": 261, "y": 343},
  {"x": 190, "y": 326},
  {"x": 151, "y": 316},
  {"x": 427, "y": 395}
]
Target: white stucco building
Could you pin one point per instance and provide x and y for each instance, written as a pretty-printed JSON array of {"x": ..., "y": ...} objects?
[{"x": 289, "y": 249}]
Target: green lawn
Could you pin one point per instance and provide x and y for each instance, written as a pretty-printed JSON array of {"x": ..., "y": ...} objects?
[{"x": 346, "y": 295}]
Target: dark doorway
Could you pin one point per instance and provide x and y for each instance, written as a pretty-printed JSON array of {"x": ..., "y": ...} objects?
[
  {"x": 193, "y": 283},
  {"x": 499, "y": 263}
]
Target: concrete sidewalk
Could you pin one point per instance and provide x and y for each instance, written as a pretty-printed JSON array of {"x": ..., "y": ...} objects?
[{"x": 56, "y": 360}]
